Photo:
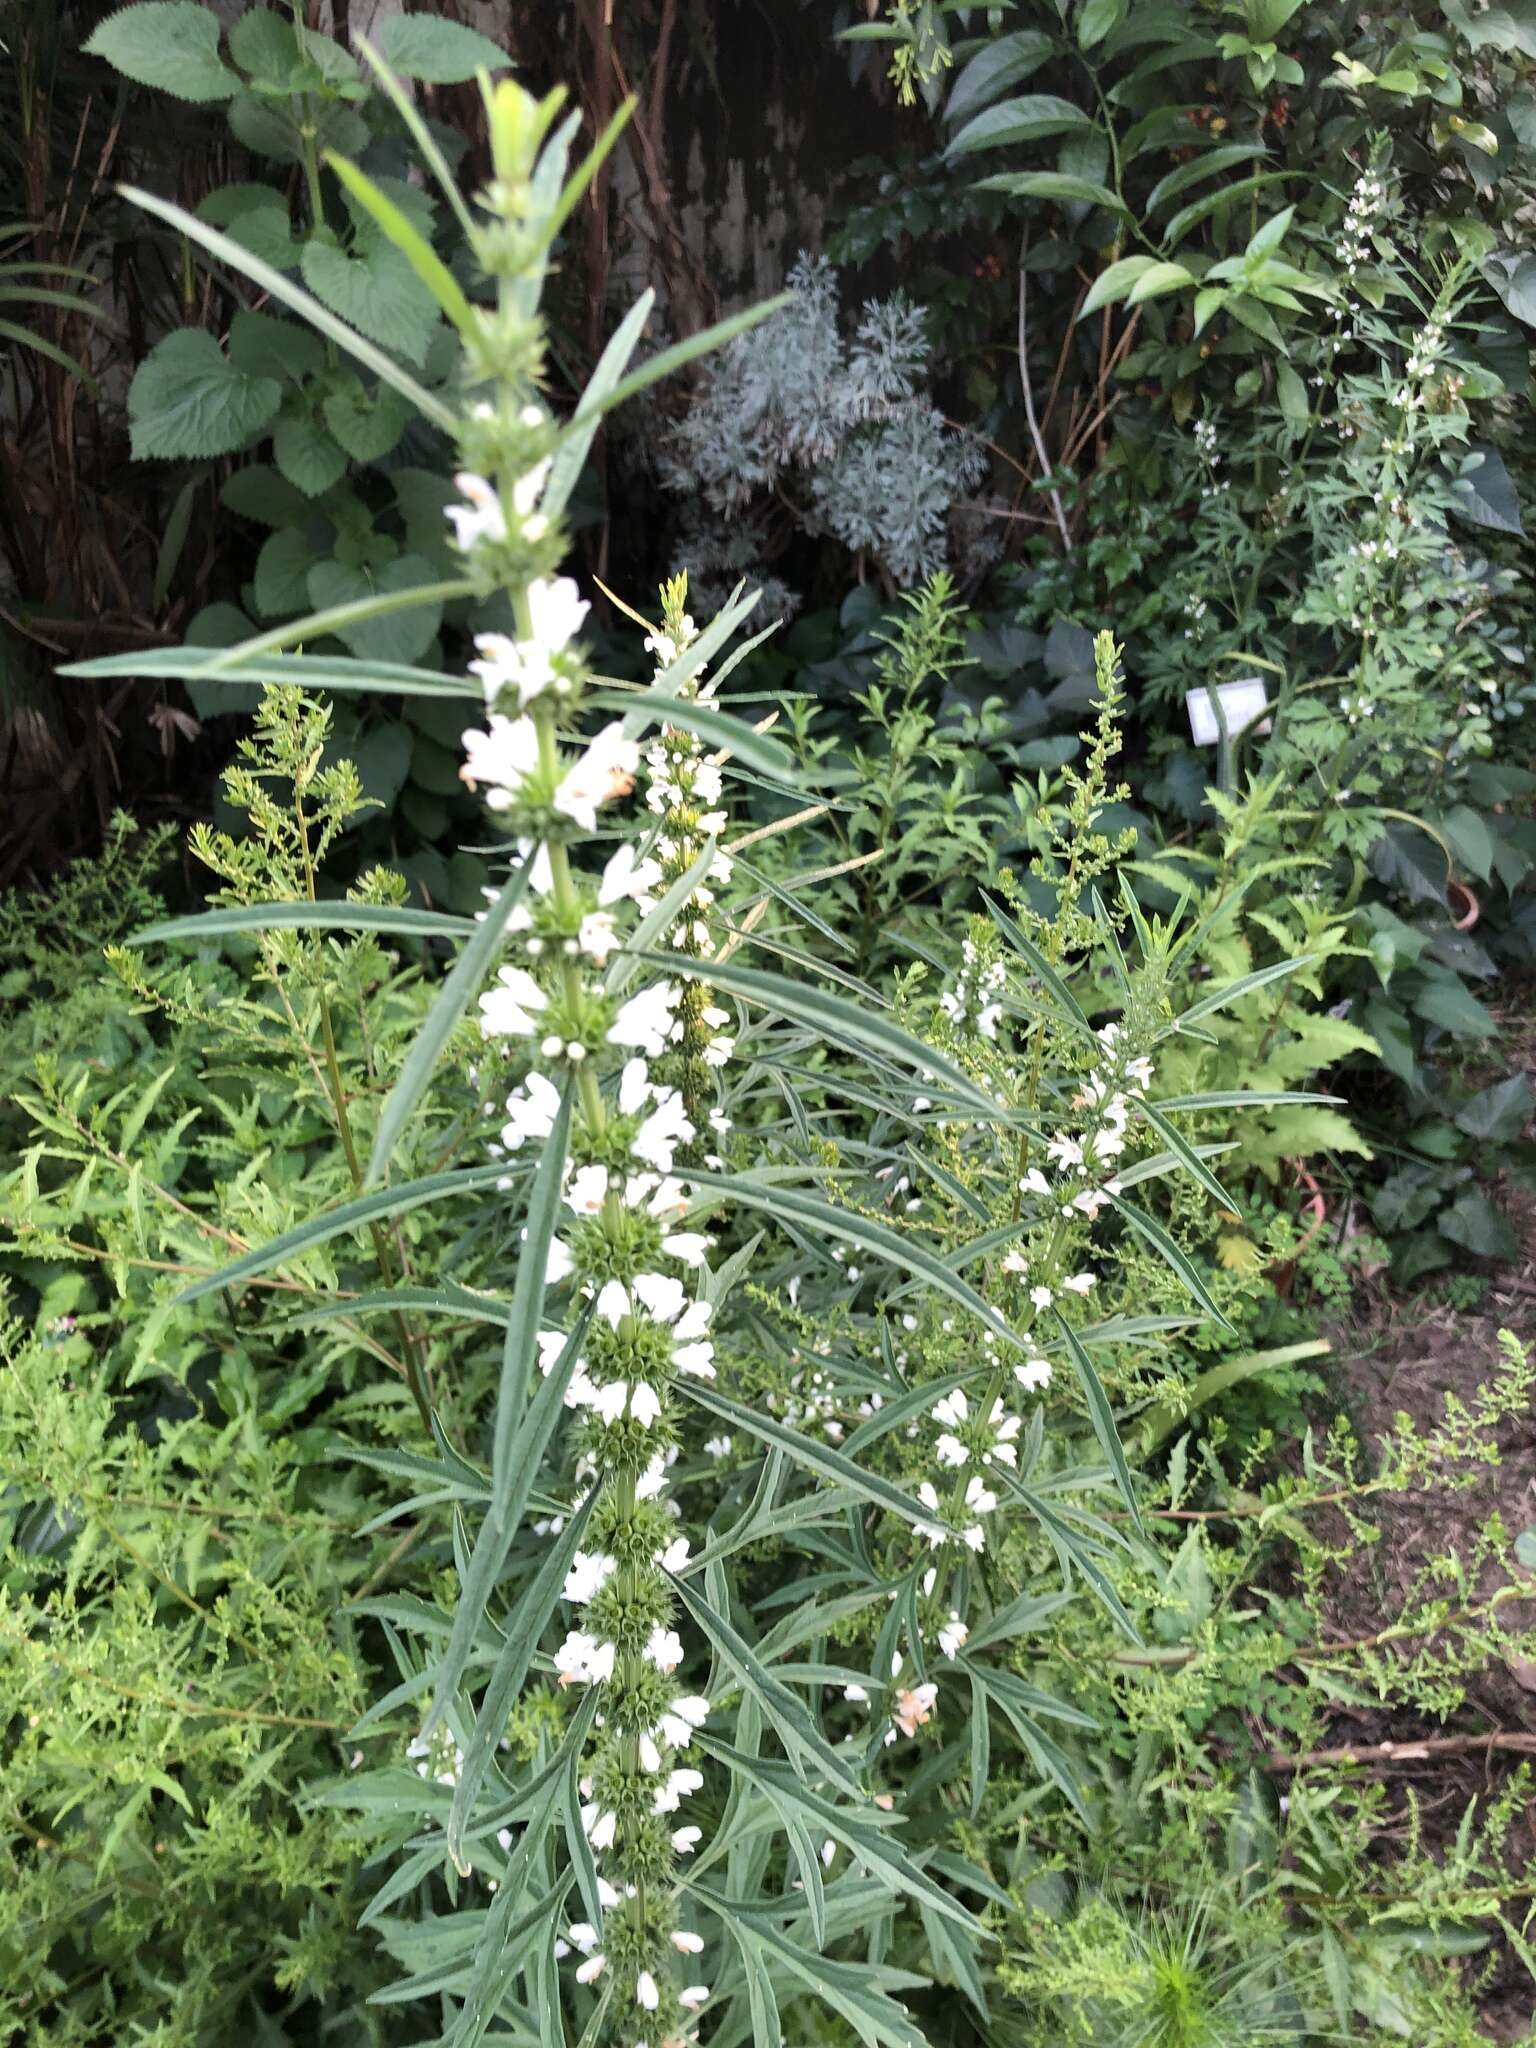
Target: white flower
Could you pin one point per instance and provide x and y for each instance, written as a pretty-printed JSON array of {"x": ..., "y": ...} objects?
[
  {"x": 646, "y": 1993},
  {"x": 1079, "y": 1283},
  {"x": 627, "y": 878},
  {"x": 950, "y": 1451},
  {"x": 686, "y": 1943},
  {"x": 952, "y": 1636},
  {"x": 1041, "y": 1296},
  {"x": 668, "y": 1796},
  {"x": 582, "y": 1660},
  {"x": 1033, "y": 1374},
  {"x": 952, "y": 1410},
  {"x": 531, "y": 1114},
  {"x": 599, "y": 1827},
  {"x": 692, "y": 1996},
  {"x": 597, "y": 936},
  {"x": 978, "y": 1497},
  {"x": 718, "y": 1446},
  {"x": 503, "y": 758},
  {"x": 912, "y": 1708},
  {"x": 686, "y": 1840},
  {"x": 665, "y": 1650},
  {"x": 675, "y": 1557},
  {"x": 1067, "y": 1152},
  {"x": 592, "y": 1968},
  {"x": 588, "y": 1574},
  {"x": 481, "y": 518},
  {"x": 691, "y": 1350},
  {"x": 645, "y": 1021},
  {"x": 1015, "y": 1262},
  {"x": 663, "y": 1295},
  {"x": 587, "y": 1190},
  {"x": 510, "y": 1010},
  {"x": 663, "y": 1130},
  {"x": 687, "y": 1713},
  {"x": 687, "y": 1246},
  {"x": 606, "y": 769}
]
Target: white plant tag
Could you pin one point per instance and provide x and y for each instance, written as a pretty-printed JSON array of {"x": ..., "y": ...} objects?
[{"x": 1242, "y": 702}]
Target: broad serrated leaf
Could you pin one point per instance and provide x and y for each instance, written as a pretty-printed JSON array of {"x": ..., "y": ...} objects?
[
  {"x": 188, "y": 399},
  {"x": 172, "y": 45}
]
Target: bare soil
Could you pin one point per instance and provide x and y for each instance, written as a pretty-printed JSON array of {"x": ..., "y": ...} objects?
[{"x": 1397, "y": 1357}]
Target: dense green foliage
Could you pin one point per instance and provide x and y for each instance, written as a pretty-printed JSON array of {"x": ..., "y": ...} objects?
[{"x": 667, "y": 1376}]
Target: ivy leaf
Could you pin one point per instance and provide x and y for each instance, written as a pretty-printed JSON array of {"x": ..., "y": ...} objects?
[
  {"x": 438, "y": 52},
  {"x": 172, "y": 45},
  {"x": 398, "y": 636},
  {"x": 188, "y": 399},
  {"x": 376, "y": 289},
  {"x": 306, "y": 455}
]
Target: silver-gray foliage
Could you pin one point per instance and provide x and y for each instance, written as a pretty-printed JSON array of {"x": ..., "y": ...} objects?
[{"x": 840, "y": 428}]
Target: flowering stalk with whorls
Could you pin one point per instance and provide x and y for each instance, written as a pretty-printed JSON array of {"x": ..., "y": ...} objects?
[{"x": 623, "y": 1255}]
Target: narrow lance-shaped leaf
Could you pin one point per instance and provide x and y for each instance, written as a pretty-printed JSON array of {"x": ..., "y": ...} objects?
[
  {"x": 412, "y": 244},
  {"x": 1101, "y": 1415},
  {"x": 469, "y": 970},
  {"x": 462, "y": 1180},
  {"x": 788, "y": 1715},
  {"x": 576, "y": 440},
  {"x": 399, "y": 920},
  {"x": 337, "y": 618},
  {"x": 477, "y": 1578},
  {"x": 524, "y": 1628},
  {"x": 1153, "y": 1232},
  {"x": 836, "y": 1019},
  {"x": 518, "y": 1442},
  {"x": 718, "y": 727},
  {"x": 906, "y": 1254},
  {"x": 337, "y": 673}
]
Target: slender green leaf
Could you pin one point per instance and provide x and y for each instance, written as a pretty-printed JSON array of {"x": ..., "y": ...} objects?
[
  {"x": 581, "y": 429},
  {"x": 1234, "y": 991},
  {"x": 526, "y": 1624},
  {"x": 409, "y": 240},
  {"x": 1101, "y": 1414},
  {"x": 1153, "y": 1232},
  {"x": 469, "y": 971},
  {"x": 334, "y": 672},
  {"x": 411, "y": 1194},
  {"x": 835, "y": 1019},
  {"x": 332, "y": 915},
  {"x": 803, "y": 1741},
  {"x": 905, "y": 1254}
]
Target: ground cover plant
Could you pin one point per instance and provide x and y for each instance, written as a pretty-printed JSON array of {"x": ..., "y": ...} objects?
[{"x": 757, "y": 1421}]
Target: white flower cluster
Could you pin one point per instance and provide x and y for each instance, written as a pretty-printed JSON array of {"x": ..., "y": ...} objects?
[
  {"x": 1366, "y": 205},
  {"x": 974, "y": 1003}
]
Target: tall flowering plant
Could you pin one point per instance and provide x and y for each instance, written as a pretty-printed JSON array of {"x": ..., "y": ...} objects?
[{"x": 616, "y": 1795}]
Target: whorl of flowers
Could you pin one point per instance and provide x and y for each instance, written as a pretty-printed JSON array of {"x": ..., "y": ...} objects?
[{"x": 623, "y": 1259}]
